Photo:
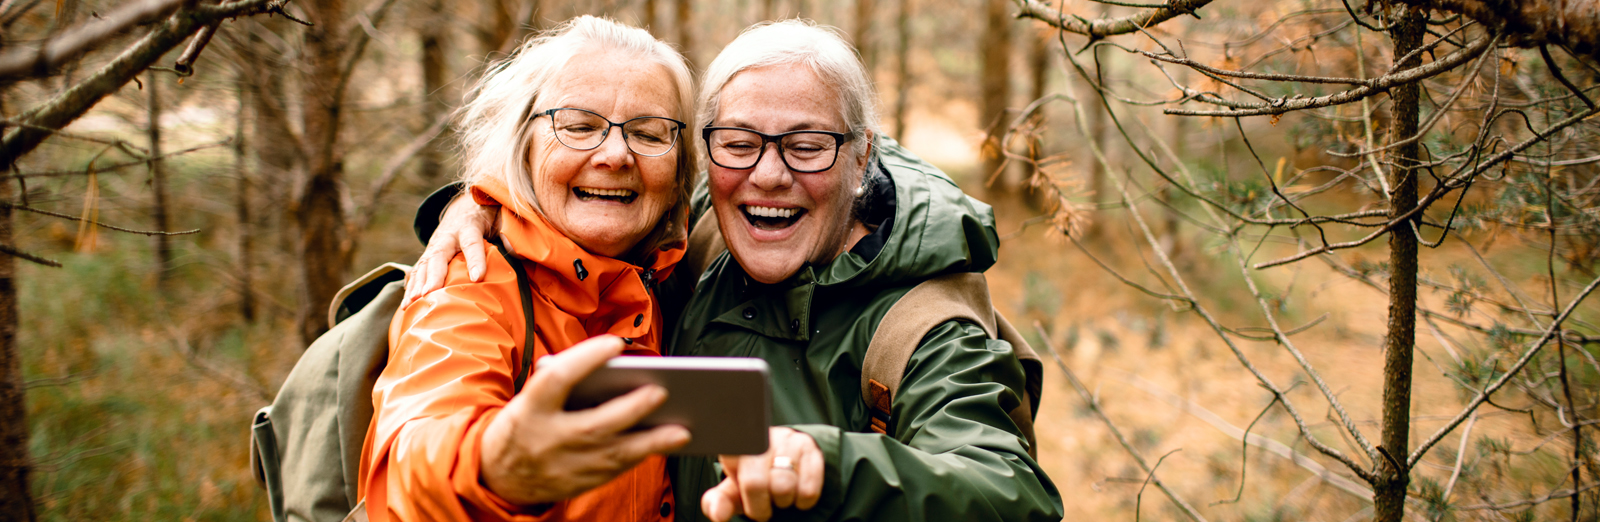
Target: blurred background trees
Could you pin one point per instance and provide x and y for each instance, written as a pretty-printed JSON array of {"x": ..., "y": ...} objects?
[{"x": 188, "y": 182}]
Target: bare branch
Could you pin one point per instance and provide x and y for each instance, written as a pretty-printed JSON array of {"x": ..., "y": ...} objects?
[
  {"x": 1305, "y": 431},
  {"x": 99, "y": 224},
  {"x": 1271, "y": 446},
  {"x": 1094, "y": 406},
  {"x": 11, "y": 250},
  {"x": 1374, "y": 86},
  {"x": 1569, "y": 23},
  {"x": 1527, "y": 356},
  {"x": 185, "y": 64},
  {"x": 109, "y": 168},
  {"x": 1555, "y": 71},
  {"x": 25, "y": 63},
  {"x": 392, "y": 170},
  {"x": 1097, "y": 29},
  {"x": 1553, "y": 495},
  {"x": 72, "y": 103}
]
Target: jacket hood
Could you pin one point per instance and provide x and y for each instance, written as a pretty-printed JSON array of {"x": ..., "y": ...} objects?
[{"x": 937, "y": 229}]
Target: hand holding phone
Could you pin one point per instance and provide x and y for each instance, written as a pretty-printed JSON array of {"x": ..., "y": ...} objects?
[
  {"x": 574, "y": 451},
  {"x": 723, "y": 401}
]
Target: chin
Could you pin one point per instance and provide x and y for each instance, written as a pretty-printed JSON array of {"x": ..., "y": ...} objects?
[{"x": 770, "y": 267}]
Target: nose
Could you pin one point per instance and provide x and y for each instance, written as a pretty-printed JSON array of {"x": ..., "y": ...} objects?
[
  {"x": 770, "y": 173},
  {"x": 613, "y": 151}
]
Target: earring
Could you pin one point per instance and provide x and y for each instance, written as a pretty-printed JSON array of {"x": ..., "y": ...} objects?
[{"x": 861, "y": 190}]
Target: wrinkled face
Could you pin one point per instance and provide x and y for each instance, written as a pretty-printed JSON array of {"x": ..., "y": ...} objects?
[
  {"x": 606, "y": 199},
  {"x": 776, "y": 220}
]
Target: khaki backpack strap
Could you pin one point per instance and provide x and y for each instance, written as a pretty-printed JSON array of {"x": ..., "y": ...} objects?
[
  {"x": 524, "y": 290},
  {"x": 931, "y": 303},
  {"x": 705, "y": 244}
]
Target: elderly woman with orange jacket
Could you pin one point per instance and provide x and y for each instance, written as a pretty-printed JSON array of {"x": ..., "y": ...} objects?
[{"x": 578, "y": 139}]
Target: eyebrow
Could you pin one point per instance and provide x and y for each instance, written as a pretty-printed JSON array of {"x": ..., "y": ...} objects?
[{"x": 805, "y": 125}]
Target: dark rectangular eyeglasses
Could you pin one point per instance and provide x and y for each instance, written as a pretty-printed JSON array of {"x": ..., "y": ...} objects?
[{"x": 804, "y": 151}]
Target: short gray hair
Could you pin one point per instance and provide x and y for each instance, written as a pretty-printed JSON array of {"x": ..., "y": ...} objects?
[
  {"x": 493, "y": 128},
  {"x": 822, "y": 48}
]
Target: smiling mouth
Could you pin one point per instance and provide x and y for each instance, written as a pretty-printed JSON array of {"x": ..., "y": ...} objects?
[
  {"x": 771, "y": 218},
  {"x": 623, "y": 196}
]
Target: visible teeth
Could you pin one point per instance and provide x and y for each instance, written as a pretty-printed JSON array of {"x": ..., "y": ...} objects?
[
  {"x": 610, "y": 193},
  {"x": 771, "y": 212}
]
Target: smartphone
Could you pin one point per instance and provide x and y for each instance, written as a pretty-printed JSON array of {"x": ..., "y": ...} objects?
[{"x": 723, "y": 401}]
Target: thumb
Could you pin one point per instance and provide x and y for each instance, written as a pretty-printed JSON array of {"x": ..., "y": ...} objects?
[{"x": 555, "y": 375}]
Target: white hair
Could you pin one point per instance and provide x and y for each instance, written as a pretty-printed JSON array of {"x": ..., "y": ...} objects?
[
  {"x": 822, "y": 48},
  {"x": 493, "y": 127}
]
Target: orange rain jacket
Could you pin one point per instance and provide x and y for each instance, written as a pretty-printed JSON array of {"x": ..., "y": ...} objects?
[{"x": 452, "y": 359}]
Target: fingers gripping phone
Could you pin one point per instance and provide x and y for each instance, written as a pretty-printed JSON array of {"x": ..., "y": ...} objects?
[{"x": 723, "y": 401}]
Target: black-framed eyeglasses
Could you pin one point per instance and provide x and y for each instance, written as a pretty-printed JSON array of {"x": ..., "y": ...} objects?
[
  {"x": 803, "y": 151},
  {"x": 581, "y": 129}
]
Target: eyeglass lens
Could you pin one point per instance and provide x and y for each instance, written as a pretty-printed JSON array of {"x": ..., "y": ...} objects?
[
  {"x": 584, "y": 130},
  {"x": 803, "y": 151}
]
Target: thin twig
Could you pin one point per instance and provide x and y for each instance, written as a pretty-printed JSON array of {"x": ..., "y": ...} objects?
[
  {"x": 21, "y": 63},
  {"x": 1516, "y": 368},
  {"x": 1461, "y": 456},
  {"x": 1094, "y": 406},
  {"x": 1375, "y": 86},
  {"x": 1138, "y": 498},
  {"x": 392, "y": 170},
  {"x": 1554, "y": 495},
  {"x": 11, "y": 250},
  {"x": 1271, "y": 446},
  {"x": 99, "y": 224}
]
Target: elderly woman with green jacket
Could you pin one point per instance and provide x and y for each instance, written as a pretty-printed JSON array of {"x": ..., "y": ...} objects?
[{"x": 828, "y": 223}]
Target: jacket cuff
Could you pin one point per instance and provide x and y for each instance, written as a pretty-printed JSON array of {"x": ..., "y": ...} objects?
[
  {"x": 828, "y": 438},
  {"x": 469, "y": 486}
]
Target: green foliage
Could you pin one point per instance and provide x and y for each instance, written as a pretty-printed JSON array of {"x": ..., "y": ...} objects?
[
  {"x": 1468, "y": 286},
  {"x": 1432, "y": 496},
  {"x": 1371, "y": 268},
  {"x": 1489, "y": 446}
]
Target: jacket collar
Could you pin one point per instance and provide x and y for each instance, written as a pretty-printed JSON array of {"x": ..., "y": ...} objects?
[{"x": 613, "y": 296}]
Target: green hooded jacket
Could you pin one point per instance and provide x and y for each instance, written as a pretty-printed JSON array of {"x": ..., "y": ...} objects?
[{"x": 952, "y": 452}]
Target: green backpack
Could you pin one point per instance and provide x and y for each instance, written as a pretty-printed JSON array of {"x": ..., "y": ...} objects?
[{"x": 305, "y": 448}]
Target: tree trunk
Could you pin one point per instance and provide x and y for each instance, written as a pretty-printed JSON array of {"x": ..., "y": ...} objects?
[
  {"x": 1389, "y": 493},
  {"x": 863, "y": 35},
  {"x": 769, "y": 9},
  {"x": 276, "y": 147},
  {"x": 320, "y": 215},
  {"x": 435, "y": 69},
  {"x": 1095, "y": 113},
  {"x": 247, "y": 296},
  {"x": 902, "y": 52},
  {"x": 996, "y": 67},
  {"x": 16, "y": 499},
  {"x": 498, "y": 26},
  {"x": 158, "y": 178},
  {"x": 1179, "y": 143},
  {"x": 685, "y": 28},
  {"x": 1039, "y": 76},
  {"x": 1574, "y": 24}
]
